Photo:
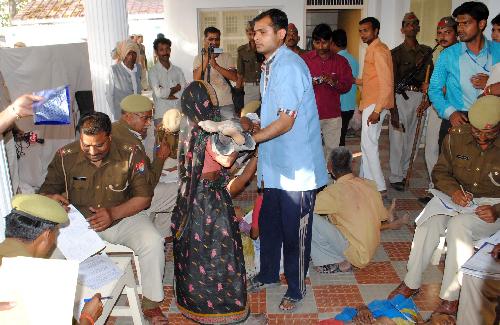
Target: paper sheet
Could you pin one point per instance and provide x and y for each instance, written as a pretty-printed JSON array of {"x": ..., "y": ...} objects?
[
  {"x": 43, "y": 289},
  {"x": 482, "y": 264},
  {"x": 493, "y": 239},
  {"x": 77, "y": 241},
  {"x": 449, "y": 204},
  {"x": 97, "y": 271}
]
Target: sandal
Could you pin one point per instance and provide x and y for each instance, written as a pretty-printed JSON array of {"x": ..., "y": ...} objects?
[
  {"x": 328, "y": 268},
  {"x": 289, "y": 305}
]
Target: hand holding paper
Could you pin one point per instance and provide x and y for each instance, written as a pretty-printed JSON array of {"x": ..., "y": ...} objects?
[{"x": 54, "y": 108}]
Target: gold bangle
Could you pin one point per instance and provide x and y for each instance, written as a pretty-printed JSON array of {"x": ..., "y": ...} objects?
[{"x": 488, "y": 90}]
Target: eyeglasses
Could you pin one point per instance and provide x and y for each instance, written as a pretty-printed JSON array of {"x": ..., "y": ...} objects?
[{"x": 144, "y": 117}]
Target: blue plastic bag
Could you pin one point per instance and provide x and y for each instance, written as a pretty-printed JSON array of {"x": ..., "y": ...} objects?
[{"x": 54, "y": 109}]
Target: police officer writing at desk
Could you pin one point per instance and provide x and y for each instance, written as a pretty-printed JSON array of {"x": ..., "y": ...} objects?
[
  {"x": 468, "y": 170},
  {"x": 107, "y": 182}
]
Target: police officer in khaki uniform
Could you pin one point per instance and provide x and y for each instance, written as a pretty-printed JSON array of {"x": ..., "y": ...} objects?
[
  {"x": 31, "y": 231},
  {"x": 108, "y": 183},
  {"x": 248, "y": 65},
  {"x": 405, "y": 58},
  {"x": 131, "y": 129},
  {"x": 468, "y": 170}
]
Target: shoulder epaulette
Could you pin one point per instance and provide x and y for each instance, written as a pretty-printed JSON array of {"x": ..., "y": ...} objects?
[{"x": 69, "y": 149}]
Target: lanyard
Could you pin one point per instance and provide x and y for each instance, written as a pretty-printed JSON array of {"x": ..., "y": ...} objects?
[{"x": 477, "y": 63}]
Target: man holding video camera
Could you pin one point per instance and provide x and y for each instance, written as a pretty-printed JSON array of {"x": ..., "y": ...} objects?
[{"x": 218, "y": 69}]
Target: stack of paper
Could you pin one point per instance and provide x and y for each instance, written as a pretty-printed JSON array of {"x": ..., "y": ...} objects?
[
  {"x": 449, "y": 204},
  {"x": 493, "y": 239},
  {"x": 97, "y": 271},
  {"x": 482, "y": 264},
  {"x": 77, "y": 241},
  {"x": 43, "y": 290}
]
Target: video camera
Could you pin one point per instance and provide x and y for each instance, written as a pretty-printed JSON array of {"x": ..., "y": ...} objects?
[{"x": 214, "y": 50}]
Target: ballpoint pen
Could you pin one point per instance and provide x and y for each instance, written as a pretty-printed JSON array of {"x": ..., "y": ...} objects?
[
  {"x": 102, "y": 298},
  {"x": 465, "y": 194}
]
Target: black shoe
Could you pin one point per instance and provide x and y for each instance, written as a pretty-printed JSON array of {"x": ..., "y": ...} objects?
[
  {"x": 424, "y": 200},
  {"x": 398, "y": 186}
]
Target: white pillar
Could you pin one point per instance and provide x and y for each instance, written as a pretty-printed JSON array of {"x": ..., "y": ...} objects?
[
  {"x": 107, "y": 23},
  {"x": 5, "y": 190}
]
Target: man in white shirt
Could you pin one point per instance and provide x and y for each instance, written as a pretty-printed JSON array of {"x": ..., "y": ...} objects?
[
  {"x": 165, "y": 79},
  {"x": 216, "y": 69}
]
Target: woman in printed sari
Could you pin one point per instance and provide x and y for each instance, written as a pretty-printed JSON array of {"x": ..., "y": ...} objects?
[{"x": 210, "y": 282}]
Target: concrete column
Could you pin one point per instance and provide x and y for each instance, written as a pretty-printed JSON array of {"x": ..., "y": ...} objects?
[{"x": 107, "y": 23}]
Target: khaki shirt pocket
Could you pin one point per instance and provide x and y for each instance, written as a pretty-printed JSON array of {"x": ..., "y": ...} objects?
[{"x": 79, "y": 192}]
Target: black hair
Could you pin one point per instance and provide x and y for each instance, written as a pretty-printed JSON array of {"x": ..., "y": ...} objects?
[
  {"x": 94, "y": 123},
  {"x": 161, "y": 40},
  {"x": 403, "y": 23},
  {"x": 278, "y": 17},
  {"x": 322, "y": 31},
  {"x": 339, "y": 37},
  {"x": 23, "y": 226},
  {"x": 373, "y": 21},
  {"x": 211, "y": 29},
  {"x": 475, "y": 9},
  {"x": 496, "y": 20},
  {"x": 341, "y": 159}
]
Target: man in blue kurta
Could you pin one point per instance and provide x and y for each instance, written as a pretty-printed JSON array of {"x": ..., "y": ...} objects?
[
  {"x": 291, "y": 163},
  {"x": 464, "y": 68}
]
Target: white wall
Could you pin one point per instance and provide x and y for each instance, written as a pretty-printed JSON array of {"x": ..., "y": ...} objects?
[
  {"x": 181, "y": 17},
  {"x": 390, "y": 13},
  {"x": 75, "y": 31}
]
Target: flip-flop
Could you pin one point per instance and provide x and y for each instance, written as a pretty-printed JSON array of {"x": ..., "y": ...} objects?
[{"x": 292, "y": 303}]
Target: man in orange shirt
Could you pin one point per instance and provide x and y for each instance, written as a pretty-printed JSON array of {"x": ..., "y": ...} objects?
[{"x": 377, "y": 95}]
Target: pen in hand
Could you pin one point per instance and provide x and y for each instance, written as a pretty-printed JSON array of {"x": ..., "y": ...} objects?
[
  {"x": 102, "y": 298},
  {"x": 466, "y": 195}
]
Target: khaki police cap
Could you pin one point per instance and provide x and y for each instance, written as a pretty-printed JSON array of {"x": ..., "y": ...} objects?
[
  {"x": 485, "y": 112},
  {"x": 446, "y": 22},
  {"x": 40, "y": 207},
  {"x": 410, "y": 17},
  {"x": 136, "y": 104}
]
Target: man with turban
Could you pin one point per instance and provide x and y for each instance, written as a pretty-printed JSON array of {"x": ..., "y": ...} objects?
[{"x": 124, "y": 77}]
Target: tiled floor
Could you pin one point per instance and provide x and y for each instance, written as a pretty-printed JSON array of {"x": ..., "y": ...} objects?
[{"x": 328, "y": 294}]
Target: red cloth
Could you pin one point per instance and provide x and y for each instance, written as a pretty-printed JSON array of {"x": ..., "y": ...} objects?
[
  {"x": 256, "y": 211},
  {"x": 328, "y": 97},
  {"x": 331, "y": 322}
]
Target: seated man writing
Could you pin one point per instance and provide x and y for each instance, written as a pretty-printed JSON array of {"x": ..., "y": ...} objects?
[
  {"x": 347, "y": 218},
  {"x": 468, "y": 170},
  {"x": 131, "y": 129},
  {"x": 31, "y": 230},
  {"x": 108, "y": 183}
]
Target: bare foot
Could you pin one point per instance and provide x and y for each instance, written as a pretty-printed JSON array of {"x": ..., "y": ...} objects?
[
  {"x": 390, "y": 211},
  {"x": 396, "y": 224},
  {"x": 209, "y": 126}
]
